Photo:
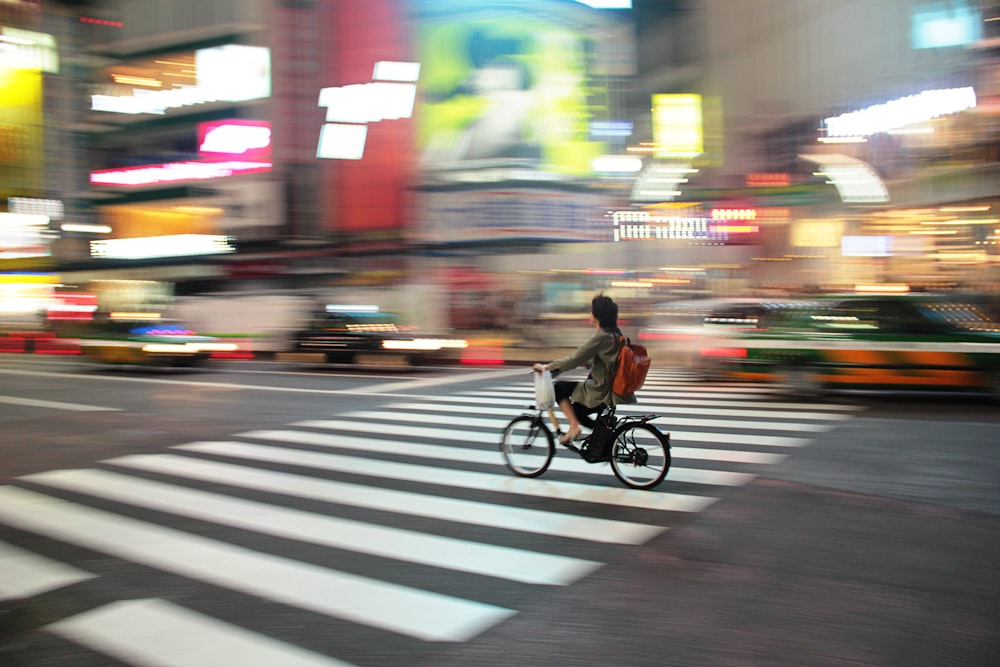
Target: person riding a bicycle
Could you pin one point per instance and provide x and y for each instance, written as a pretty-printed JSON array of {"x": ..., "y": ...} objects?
[{"x": 599, "y": 353}]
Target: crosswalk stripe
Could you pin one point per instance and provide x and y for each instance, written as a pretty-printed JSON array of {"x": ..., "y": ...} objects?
[
  {"x": 24, "y": 574},
  {"x": 521, "y": 399},
  {"x": 378, "y": 422},
  {"x": 54, "y": 405},
  {"x": 622, "y": 497},
  {"x": 416, "y": 613},
  {"x": 575, "y": 464},
  {"x": 699, "y": 453},
  {"x": 390, "y": 500},
  {"x": 387, "y": 542},
  {"x": 756, "y": 398},
  {"x": 631, "y": 409},
  {"x": 157, "y": 633},
  {"x": 500, "y": 423}
]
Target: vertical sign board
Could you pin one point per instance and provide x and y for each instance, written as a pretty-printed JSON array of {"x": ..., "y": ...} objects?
[
  {"x": 677, "y": 126},
  {"x": 22, "y": 153},
  {"x": 370, "y": 194}
]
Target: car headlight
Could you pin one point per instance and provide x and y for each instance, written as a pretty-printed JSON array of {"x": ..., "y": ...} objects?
[{"x": 424, "y": 344}]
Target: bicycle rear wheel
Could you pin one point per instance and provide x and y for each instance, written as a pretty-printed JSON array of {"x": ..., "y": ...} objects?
[
  {"x": 527, "y": 446},
  {"x": 640, "y": 455}
]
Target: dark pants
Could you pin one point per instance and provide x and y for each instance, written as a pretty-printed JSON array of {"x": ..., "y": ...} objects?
[{"x": 563, "y": 390}]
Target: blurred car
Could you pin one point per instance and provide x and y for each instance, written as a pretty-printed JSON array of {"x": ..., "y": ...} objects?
[
  {"x": 359, "y": 334},
  {"x": 144, "y": 338},
  {"x": 866, "y": 341}
]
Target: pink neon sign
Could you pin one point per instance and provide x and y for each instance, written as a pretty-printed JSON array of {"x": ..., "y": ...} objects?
[
  {"x": 235, "y": 138},
  {"x": 176, "y": 171}
]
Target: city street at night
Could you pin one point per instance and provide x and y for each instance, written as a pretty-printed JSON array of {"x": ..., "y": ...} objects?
[{"x": 162, "y": 516}]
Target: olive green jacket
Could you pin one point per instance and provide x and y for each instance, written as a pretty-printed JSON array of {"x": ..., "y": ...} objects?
[{"x": 600, "y": 354}]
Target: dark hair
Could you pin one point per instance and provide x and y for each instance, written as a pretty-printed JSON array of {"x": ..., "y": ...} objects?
[{"x": 605, "y": 311}]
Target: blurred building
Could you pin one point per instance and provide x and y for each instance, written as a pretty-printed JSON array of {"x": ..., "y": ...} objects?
[
  {"x": 870, "y": 125},
  {"x": 479, "y": 152}
]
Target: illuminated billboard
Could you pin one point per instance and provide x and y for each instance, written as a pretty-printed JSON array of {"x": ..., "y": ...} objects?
[
  {"x": 227, "y": 148},
  {"x": 510, "y": 83},
  {"x": 228, "y": 73},
  {"x": 349, "y": 109},
  {"x": 677, "y": 126},
  {"x": 941, "y": 24},
  {"x": 21, "y": 138}
]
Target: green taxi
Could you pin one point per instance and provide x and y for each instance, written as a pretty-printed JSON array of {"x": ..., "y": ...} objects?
[{"x": 907, "y": 341}]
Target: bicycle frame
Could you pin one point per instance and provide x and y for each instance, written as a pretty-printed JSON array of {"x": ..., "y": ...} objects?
[{"x": 605, "y": 410}]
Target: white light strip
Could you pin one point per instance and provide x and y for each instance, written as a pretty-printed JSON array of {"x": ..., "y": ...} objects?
[
  {"x": 175, "y": 171},
  {"x": 162, "y": 246},
  {"x": 901, "y": 112},
  {"x": 87, "y": 229},
  {"x": 387, "y": 70},
  {"x": 368, "y": 102},
  {"x": 23, "y": 220},
  {"x": 623, "y": 164}
]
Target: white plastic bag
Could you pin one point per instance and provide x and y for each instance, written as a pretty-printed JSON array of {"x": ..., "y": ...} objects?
[{"x": 545, "y": 393}]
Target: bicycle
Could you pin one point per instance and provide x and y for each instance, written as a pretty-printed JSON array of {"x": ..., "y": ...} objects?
[{"x": 639, "y": 452}]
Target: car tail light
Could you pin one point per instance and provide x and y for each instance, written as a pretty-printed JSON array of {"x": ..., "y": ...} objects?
[{"x": 734, "y": 352}]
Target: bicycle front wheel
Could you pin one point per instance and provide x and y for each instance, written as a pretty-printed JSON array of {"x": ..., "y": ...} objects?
[
  {"x": 640, "y": 455},
  {"x": 527, "y": 446}
]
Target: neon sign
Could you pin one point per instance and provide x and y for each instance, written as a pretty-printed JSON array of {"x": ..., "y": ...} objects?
[
  {"x": 176, "y": 171},
  {"x": 389, "y": 96},
  {"x": 227, "y": 139},
  {"x": 734, "y": 214}
]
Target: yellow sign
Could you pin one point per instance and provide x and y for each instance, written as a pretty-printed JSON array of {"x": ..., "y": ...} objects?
[{"x": 677, "y": 126}]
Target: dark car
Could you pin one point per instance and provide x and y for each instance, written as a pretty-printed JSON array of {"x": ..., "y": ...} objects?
[{"x": 360, "y": 334}]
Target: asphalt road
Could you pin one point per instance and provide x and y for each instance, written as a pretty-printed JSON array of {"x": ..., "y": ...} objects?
[{"x": 264, "y": 513}]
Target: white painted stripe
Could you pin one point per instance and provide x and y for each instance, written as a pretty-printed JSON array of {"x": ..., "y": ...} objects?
[
  {"x": 621, "y": 497},
  {"x": 774, "y": 407},
  {"x": 24, "y": 574},
  {"x": 396, "y": 543},
  {"x": 381, "y": 424},
  {"x": 527, "y": 400},
  {"x": 378, "y": 389},
  {"x": 632, "y": 409},
  {"x": 390, "y": 387},
  {"x": 681, "y": 393},
  {"x": 674, "y": 421},
  {"x": 648, "y": 396},
  {"x": 156, "y": 633},
  {"x": 421, "y": 614},
  {"x": 493, "y": 441},
  {"x": 467, "y": 455},
  {"x": 725, "y": 455},
  {"x": 54, "y": 405},
  {"x": 401, "y": 502}
]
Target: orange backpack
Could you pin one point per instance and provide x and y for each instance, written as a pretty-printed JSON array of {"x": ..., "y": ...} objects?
[{"x": 633, "y": 364}]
